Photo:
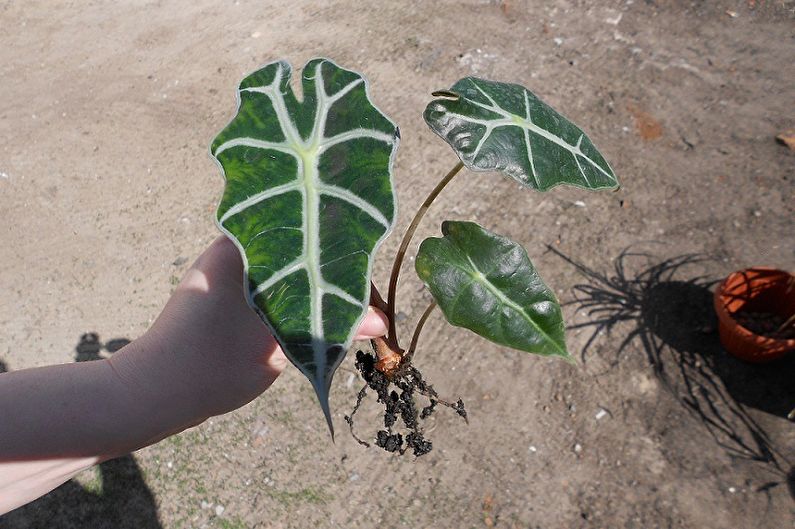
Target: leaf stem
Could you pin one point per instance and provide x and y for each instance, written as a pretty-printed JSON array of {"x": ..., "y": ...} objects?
[
  {"x": 376, "y": 299},
  {"x": 417, "y": 330},
  {"x": 393, "y": 279},
  {"x": 787, "y": 323}
]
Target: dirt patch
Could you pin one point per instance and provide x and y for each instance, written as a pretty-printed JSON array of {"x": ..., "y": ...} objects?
[{"x": 108, "y": 194}]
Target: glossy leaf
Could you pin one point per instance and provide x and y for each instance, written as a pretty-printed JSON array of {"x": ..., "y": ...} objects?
[
  {"x": 308, "y": 200},
  {"x": 504, "y": 127},
  {"x": 487, "y": 284}
]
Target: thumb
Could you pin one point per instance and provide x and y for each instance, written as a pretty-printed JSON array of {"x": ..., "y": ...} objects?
[{"x": 373, "y": 325}]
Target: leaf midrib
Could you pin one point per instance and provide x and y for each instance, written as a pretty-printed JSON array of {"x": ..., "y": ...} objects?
[{"x": 483, "y": 279}]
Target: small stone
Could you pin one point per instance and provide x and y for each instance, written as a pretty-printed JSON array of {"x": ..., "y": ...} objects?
[
  {"x": 533, "y": 449},
  {"x": 600, "y": 414},
  {"x": 206, "y": 505},
  {"x": 219, "y": 510},
  {"x": 578, "y": 448}
]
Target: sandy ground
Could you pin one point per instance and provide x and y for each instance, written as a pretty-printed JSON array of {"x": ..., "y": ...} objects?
[{"x": 107, "y": 195}]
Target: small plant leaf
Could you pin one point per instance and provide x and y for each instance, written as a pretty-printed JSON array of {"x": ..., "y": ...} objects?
[
  {"x": 308, "y": 200},
  {"x": 487, "y": 284},
  {"x": 504, "y": 127}
]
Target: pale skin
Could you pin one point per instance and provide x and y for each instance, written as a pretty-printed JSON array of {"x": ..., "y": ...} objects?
[{"x": 206, "y": 354}]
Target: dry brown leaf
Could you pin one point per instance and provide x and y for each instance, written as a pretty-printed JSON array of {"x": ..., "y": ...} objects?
[
  {"x": 787, "y": 138},
  {"x": 648, "y": 127}
]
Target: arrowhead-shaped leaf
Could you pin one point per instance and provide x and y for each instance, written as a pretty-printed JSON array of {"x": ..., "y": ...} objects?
[
  {"x": 504, "y": 127},
  {"x": 308, "y": 200},
  {"x": 487, "y": 284}
]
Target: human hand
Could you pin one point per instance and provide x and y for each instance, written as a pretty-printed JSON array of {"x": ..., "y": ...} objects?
[
  {"x": 208, "y": 350},
  {"x": 208, "y": 353}
]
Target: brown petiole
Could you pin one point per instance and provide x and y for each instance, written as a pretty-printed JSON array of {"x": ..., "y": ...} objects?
[{"x": 388, "y": 348}]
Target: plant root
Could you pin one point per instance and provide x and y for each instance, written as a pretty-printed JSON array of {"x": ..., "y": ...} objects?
[{"x": 399, "y": 403}]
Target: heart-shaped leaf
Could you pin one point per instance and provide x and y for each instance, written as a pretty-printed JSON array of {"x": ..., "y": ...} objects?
[
  {"x": 308, "y": 199},
  {"x": 487, "y": 284},
  {"x": 504, "y": 127}
]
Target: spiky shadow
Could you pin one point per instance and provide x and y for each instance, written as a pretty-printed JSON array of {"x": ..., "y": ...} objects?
[{"x": 669, "y": 311}]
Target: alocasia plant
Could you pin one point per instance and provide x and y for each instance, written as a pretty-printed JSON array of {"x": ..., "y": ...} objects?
[{"x": 309, "y": 198}]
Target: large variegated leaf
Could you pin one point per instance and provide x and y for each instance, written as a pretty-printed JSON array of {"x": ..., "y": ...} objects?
[
  {"x": 487, "y": 284},
  {"x": 308, "y": 199},
  {"x": 504, "y": 127}
]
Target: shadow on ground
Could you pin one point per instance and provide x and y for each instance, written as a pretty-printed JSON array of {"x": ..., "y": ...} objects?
[
  {"x": 670, "y": 314},
  {"x": 119, "y": 500}
]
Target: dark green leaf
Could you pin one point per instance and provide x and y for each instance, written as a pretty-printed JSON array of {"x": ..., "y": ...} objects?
[
  {"x": 504, "y": 127},
  {"x": 308, "y": 199},
  {"x": 487, "y": 284}
]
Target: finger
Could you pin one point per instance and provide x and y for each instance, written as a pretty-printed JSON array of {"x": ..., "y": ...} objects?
[
  {"x": 374, "y": 325},
  {"x": 275, "y": 362}
]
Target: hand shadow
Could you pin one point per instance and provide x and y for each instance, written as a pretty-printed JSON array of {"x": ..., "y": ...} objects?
[{"x": 120, "y": 500}]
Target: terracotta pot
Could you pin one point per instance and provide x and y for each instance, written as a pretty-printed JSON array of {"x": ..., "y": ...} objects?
[{"x": 754, "y": 290}]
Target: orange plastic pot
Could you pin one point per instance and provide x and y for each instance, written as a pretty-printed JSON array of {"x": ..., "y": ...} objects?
[{"x": 754, "y": 290}]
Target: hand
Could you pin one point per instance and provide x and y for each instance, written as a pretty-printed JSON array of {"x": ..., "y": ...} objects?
[{"x": 208, "y": 348}]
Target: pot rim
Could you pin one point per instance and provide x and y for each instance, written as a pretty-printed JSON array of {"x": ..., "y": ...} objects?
[{"x": 724, "y": 316}]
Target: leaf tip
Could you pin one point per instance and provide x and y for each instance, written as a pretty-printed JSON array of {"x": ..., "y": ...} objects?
[
  {"x": 324, "y": 405},
  {"x": 565, "y": 355}
]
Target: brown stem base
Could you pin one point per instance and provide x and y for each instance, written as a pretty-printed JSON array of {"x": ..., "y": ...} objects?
[{"x": 389, "y": 357}]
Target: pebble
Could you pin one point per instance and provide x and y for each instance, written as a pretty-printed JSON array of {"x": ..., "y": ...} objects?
[
  {"x": 219, "y": 510},
  {"x": 578, "y": 448},
  {"x": 533, "y": 449},
  {"x": 600, "y": 414},
  {"x": 206, "y": 505}
]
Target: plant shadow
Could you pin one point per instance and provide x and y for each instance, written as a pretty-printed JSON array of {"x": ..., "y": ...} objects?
[
  {"x": 670, "y": 313},
  {"x": 119, "y": 499}
]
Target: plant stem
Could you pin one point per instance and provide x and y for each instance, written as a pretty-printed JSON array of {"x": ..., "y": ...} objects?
[
  {"x": 376, "y": 299},
  {"x": 393, "y": 279},
  {"x": 418, "y": 329},
  {"x": 787, "y": 323}
]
